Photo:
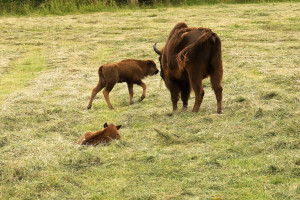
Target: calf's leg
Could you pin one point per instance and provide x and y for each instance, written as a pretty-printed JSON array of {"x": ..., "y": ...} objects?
[
  {"x": 130, "y": 90},
  {"x": 106, "y": 91},
  {"x": 143, "y": 85},
  {"x": 95, "y": 90}
]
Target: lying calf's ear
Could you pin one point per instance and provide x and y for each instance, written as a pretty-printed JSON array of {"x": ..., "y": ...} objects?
[
  {"x": 118, "y": 127},
  {"x": 105, "y": 125},
  {"x": 148, "y": 62}
]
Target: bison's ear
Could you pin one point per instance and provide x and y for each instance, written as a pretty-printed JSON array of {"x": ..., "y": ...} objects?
[
  {"x": 118, "y": 127},
  {"x": 105, "y": 125}
]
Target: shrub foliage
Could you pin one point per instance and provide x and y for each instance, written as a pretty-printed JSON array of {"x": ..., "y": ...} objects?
[{"x": 23, "y": 7}]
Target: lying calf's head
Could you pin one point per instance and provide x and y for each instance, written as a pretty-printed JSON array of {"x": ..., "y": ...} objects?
[{"x": 112, "y": 131}]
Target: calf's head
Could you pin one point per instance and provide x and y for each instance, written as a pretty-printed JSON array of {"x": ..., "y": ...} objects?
[
  {"x": 113, "y": 132},
  {"x": 151, "y": 68}
]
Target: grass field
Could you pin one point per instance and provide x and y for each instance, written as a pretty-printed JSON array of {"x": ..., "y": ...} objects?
[{"x": 48, "y": 67}]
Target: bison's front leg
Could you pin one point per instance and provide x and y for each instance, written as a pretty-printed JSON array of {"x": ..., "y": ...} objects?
[
  {"x": 185, "y": 91},
  {"x": 143, "y": 85},
  {"x": 174, "y": 90},
  {"x": 174, "y": 98}
]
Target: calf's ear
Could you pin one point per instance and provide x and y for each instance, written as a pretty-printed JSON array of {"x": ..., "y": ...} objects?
[
  {"x": 148, "y": 62},
  {"x": 105, "y": 125},
  {"x": 118, "y": 127}
]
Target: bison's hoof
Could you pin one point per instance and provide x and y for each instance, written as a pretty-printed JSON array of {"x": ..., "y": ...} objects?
[
  {"x": 141, "y": 98},
  {"x": 195, "y": 110},
  {"x": 89, "y": 107}
]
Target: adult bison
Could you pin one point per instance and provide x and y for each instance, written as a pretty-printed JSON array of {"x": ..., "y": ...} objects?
[{"x": 189, "y": 56}]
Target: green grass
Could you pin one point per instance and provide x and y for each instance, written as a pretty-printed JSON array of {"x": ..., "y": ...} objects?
[
  {"x": 48, "y": 67},
  {"x": 20, "y": 72}
]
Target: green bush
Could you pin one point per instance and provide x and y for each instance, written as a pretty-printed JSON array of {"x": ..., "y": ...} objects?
[{"x": 23, "y": 7}]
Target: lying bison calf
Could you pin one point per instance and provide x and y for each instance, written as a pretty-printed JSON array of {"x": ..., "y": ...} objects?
[
  {"x": 129, "y": 71},
  {"x": 109, "y": 133}
]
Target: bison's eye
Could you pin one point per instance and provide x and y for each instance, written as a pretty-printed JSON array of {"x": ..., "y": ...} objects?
[{"x": 148, "y": 62}]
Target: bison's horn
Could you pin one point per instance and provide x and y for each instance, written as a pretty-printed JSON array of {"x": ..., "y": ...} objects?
[{"x": 156, "y": 50}]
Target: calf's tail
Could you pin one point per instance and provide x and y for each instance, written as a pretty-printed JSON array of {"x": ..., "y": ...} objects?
[{"x": 101, "y": 76}]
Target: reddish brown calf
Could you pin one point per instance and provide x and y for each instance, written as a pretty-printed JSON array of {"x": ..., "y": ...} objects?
[
  {"x": 129, "y": 71},
  {"x": 104, "y": 136}
]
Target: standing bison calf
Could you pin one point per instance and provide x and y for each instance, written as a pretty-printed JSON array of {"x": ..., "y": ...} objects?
[
  {"x": 129, "y": 71},
  {"x": 106, "y": 135}
]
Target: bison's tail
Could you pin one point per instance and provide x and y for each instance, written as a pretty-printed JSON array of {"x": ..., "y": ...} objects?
[{"x": 185, "y": 55}]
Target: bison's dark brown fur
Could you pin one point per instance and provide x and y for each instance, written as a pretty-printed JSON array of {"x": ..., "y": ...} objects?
[
  {"x": 106, "y": 135},
  {"x": 129, "y": 71},
  {"x": 190, "y": 55}
]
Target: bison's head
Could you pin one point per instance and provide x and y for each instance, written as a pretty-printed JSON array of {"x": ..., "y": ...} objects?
[
  {"x": 151, "y": 68},
  {"x": 162, "y": 73}
]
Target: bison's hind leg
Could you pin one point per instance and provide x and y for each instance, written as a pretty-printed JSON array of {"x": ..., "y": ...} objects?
[
  {"x": 216, "y": 79},
  {"x": 95, "y": 90},
  {"x": 216, "y": 71},
  {"x": 196, "y": 83},
  {"x": 199, "y": 93}
]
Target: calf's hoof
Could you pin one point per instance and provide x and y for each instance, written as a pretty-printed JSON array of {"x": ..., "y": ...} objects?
[
  {"x": 141, "y": 98},
  {"x": 89, "y": 107}
]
